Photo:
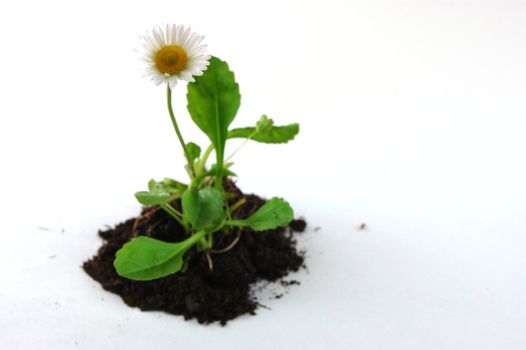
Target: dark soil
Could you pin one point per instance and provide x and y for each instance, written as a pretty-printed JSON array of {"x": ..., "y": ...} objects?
[{"x": 207, "y": 295}]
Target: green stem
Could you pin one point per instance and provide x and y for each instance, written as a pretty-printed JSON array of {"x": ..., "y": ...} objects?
[
  {"x": 210, "y": 240},
  {"x": 175, "y": 214},
  {"x": 196, "y": 237},
  {"x": 200, "y": 168},
  {"x": 177, "y": 131},
  {"x": 219, "y": 173},
  {"x": 243, "y": 144},
  {"x": 239, "y": 223},
  {"x": 237, "y": 204},
  {"x": 175, "y": 210},
  {"x": 204, "y": 240}
]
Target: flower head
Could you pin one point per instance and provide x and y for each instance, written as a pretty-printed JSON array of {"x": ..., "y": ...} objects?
[{"x": 174, "y": 53}]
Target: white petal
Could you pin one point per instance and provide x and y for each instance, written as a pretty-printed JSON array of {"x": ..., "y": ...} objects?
[
  {"x": 167, "y": 34},
  {"x": 196, "y": 50},
  {"x": 159, "y": 37},
  {"x": 184, "y": 37},
  {"x": 172, "y": 82},
  {"x": 151, "y": 44},
  {"x": 158, "y": 80},
  {"x": 181, "y": 35},
  {"x": 193, "y": 41},
  {"x": 173, "y": 38},
  {"x": 185, "y": 75}
]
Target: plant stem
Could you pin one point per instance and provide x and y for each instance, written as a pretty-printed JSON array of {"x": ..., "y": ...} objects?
[
  {"x": 237, "y": 204},
  {"x": 175, "y": 214},
  {"x": 219, "y": 173},
  {"x": 210, "y": 240},
  {"x": 196, "y": 237},
  {"x": 177, "y": 131},
  {"x": 227, "y": 248},
  {"x": 239, "y": 223},
  {"x": 202, "y": 162},
  {"x": 210, "y": 263},
  {"x": 241, "y": 146}
]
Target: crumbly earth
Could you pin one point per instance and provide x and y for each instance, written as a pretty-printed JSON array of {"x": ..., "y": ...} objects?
[{"x": 220, "y": 294}]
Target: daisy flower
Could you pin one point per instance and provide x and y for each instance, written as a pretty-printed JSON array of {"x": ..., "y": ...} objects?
[{"x": 174, "y": 53}]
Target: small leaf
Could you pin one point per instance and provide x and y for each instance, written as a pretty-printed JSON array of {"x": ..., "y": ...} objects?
[
  {"x": 145, "y": 258},
  {"x": 264, "y": 124},
  {"x": 274, "y": 213},
  {"x": 211, "y": 173},
  {"x": 149, "y": 198},
  {"x": 194, "y": 151},
  {"x": 155, "y": 195},
  {"x": 266, "y": 132},
  {"x": 154, "y": 186},
  {"x": 173, "y": 186},
  {"x": 213, "y": 101},
  {"x": 203, "y": 207}
]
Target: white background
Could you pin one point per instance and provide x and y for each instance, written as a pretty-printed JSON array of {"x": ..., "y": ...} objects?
[{"x": 413, "y": 121}]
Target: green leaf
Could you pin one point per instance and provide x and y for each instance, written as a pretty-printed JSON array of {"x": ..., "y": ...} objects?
[
  {"x": 173, "y": 186},
  {"x": 154, "y": 186},
  {"x": 145, "y": 258},
  {"x": 264, "y": 124},
  {"x": 155, "y": 195},
  {"x": 266, "y": 132},
  {"x": 213, "y": 101},
  {"x": 274, "y": 213},
  {"x": 211, "y": 173},
  {"x": 214, "y": 169},
  {"x": 203, "y": 207},
  {"x": 194, "y": 151}
]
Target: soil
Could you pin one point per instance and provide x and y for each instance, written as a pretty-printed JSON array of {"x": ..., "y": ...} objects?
[{"x": 220, "y": 294}]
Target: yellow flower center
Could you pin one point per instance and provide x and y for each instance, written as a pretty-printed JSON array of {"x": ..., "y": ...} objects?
[{"x": 171, "y": 59}]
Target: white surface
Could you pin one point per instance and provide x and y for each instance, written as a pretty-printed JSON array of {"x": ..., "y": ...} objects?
[{"x": 413, "y": 121}]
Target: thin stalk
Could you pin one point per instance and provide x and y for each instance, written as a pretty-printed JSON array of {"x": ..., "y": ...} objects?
[
  {"x": 177, "y": 131},
  {"x": 241, "y": 146},
  {"x": 175, "y": 210},
  {"x": 197, "y": 237},
  {"x": 175, "y": 214},
  {"x": 200, "y": 168},
  {"x": 237, "y": 204},
  {"x": 238, "y": 223},
  {"x": 210, "y": 240},
  {"x": 227, "y": 248},
  {"x": 210, "y": 263}
]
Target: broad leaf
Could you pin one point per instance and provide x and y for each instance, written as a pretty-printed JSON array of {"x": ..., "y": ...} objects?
[
  {"x": 155, "y": 195},
  {"x": 213, "y": 101},
  {"x": 274, "y": 213},
  {"x": 266, "y": 132},
  {"x": 194, "y": 151},
  {"x": 145, "y": 258},
  {"x": 203, "y": 207}
]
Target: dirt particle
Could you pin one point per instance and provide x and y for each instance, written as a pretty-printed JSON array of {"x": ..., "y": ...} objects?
[
  {"x": 289, "y": 283},
  {"x": 298, "y": 225}
]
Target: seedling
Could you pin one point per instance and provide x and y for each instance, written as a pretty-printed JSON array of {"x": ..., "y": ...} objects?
[{"x": 175, "y": 53}]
